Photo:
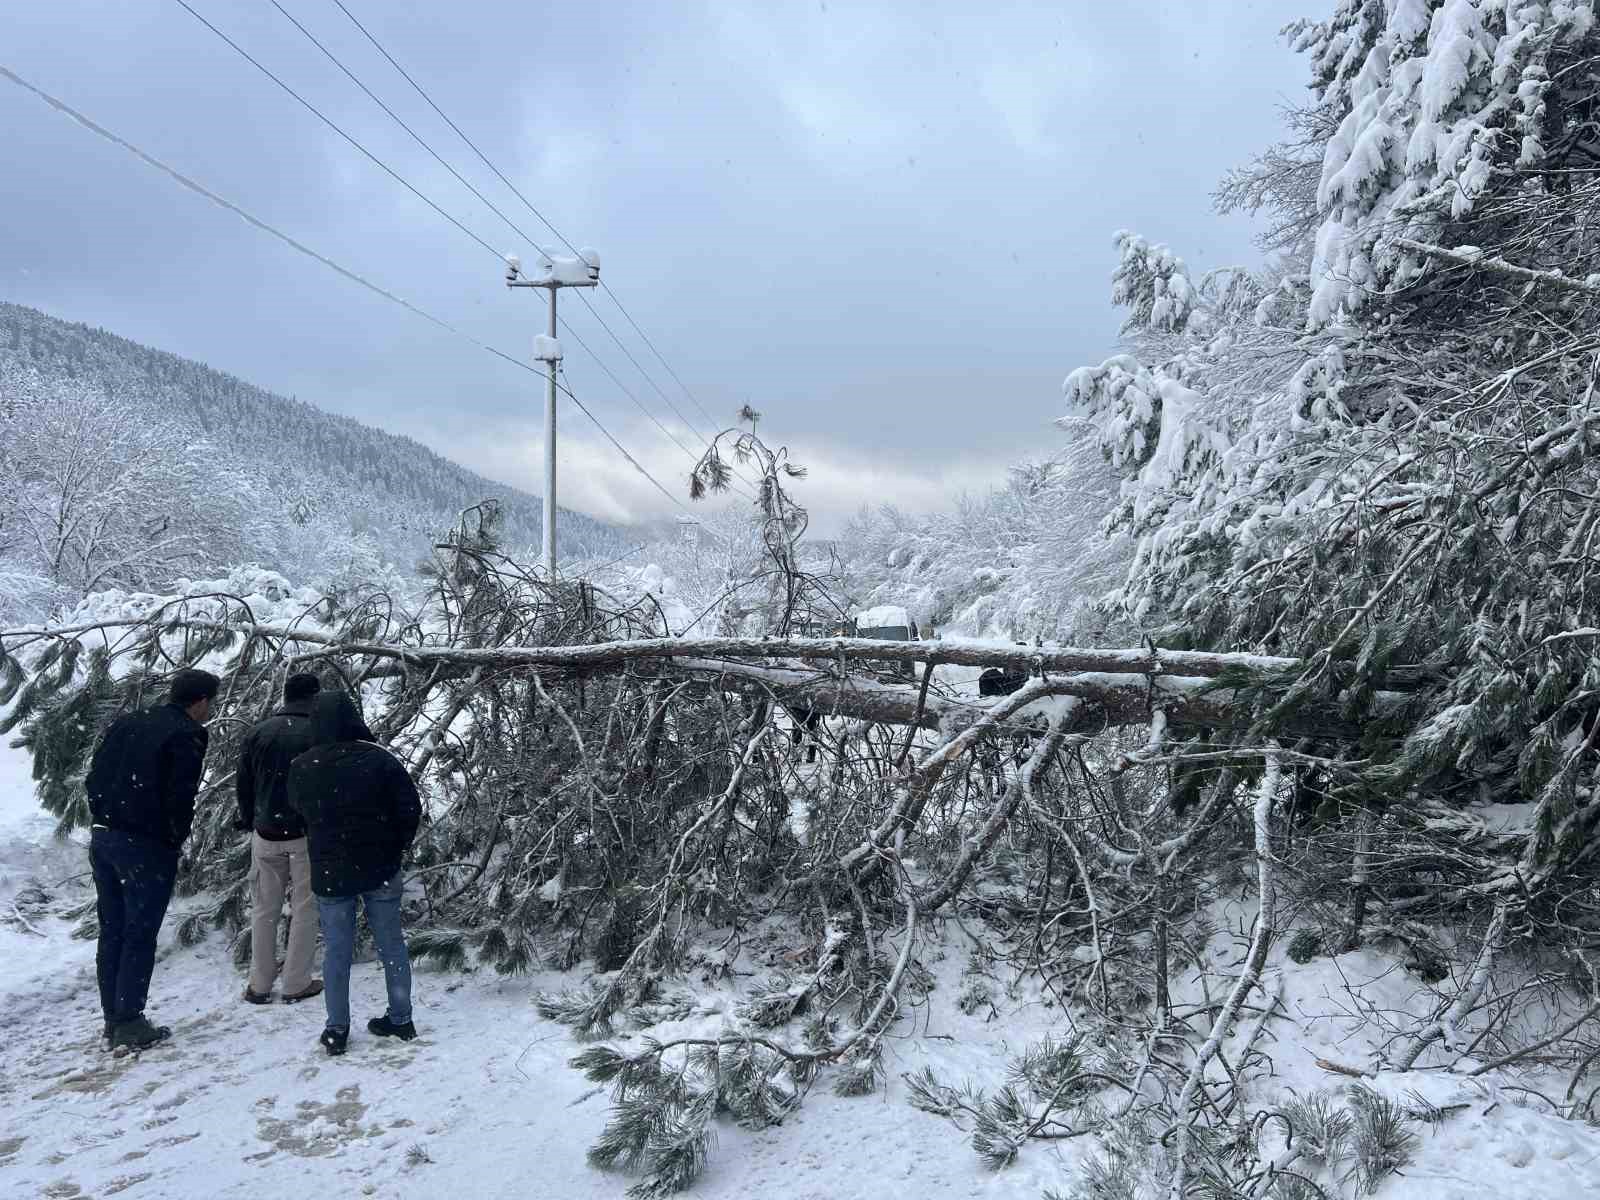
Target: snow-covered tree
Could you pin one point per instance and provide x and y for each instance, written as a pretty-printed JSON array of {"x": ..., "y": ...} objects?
[
  {"x": 1153, "y": 283},
  {"x": 1442, "y": 106},
  {"x": 1391, "y": 458},
  {"x": 99, "y": 495},
  {"x": 1282, "y": 183},
  {"x": 1023, "y": 561}
]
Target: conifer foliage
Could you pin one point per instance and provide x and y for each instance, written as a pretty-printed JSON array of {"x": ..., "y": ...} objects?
[{"x": 1390, "y": 458}]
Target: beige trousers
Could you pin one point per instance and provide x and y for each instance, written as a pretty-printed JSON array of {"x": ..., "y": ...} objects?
[{"x": 276, "y": 868}]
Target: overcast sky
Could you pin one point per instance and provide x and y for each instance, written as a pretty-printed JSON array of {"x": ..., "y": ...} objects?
[{"x": 887, "y": 226}]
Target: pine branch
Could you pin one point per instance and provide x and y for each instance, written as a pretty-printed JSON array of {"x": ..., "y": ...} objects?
[
  {"x": 1248, "y": 978},
  {"x": 1471, "y": 257}
]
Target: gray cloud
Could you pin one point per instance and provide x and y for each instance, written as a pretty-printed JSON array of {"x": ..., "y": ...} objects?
[{"x": 887, "y": 226}]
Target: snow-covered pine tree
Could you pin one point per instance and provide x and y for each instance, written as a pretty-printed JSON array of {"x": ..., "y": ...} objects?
[
  {"x": 1153, "y": 283},
  {"x": 1391, "y": 459},
  {"x": 1443, "y": 104}
]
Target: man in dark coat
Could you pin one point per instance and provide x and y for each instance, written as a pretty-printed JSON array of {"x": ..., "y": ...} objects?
[
  {"x": 361, "y": 812},
  {"x": 142, "y": 784},
  {"x": 279, "y": 862}
]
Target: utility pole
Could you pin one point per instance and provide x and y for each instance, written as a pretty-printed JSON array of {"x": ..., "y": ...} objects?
[{"x": 555, "y": 274}]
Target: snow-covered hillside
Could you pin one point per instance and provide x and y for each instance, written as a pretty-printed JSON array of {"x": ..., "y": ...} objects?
[{"x": 234, "y": 471}]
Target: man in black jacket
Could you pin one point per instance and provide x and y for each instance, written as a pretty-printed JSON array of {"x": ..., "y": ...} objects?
[
  {"x": 361, "y": 812},
  {"x": 142, "y": 784},
  {"x": 278, "y": 858}
]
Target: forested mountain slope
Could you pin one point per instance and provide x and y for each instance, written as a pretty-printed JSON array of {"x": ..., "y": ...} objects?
[{"x": 309, "y": 463}]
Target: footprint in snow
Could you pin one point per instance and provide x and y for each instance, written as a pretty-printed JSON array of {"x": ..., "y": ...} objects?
[
  {"x": 317, "y": 1129},
  {"x": 1517, "y": 1154},
  {"x": 123, "y": 1182},
  {"x": 176, "y": 1139}
]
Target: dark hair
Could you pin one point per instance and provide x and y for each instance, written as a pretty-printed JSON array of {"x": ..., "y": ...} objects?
[
  {"x": 191, "y": 687},
  {"x": 334, "y": 719},
  {"x": 301, "y": 686}
]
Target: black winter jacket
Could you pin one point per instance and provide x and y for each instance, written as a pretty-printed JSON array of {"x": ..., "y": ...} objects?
[
  {"x": 145, "y": 773},
  {"x": 361, "y": 812},
  {"x": 262, "y": 779}
]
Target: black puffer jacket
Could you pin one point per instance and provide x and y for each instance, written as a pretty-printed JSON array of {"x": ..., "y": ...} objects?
[
  {"x": 262, "y": 779},
  {"x": 145, "y": 774},
  {"x": 360, "y": 807}
]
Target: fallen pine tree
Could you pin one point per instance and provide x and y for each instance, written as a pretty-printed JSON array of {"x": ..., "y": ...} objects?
[{"x": 612, "y": 796}]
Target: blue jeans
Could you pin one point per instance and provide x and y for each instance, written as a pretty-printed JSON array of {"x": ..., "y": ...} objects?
[
  {"x": 133, "y": 878},
  {"x": 338, "y": 915}
]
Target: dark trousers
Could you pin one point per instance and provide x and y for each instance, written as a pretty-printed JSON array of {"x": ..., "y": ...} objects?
[{"x": 133, "y": 879}]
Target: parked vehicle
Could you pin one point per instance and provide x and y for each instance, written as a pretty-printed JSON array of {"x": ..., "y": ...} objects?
[{"x": 887, "y": 623}]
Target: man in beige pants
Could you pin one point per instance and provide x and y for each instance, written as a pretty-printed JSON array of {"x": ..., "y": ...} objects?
[{"x": 278, "y": 860}]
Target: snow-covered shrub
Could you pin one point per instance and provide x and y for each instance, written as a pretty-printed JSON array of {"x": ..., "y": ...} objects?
[{"x": 1381, "y": 1138}]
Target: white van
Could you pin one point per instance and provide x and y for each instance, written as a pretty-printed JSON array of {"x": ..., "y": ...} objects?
[{"x": 888, "y": 623}]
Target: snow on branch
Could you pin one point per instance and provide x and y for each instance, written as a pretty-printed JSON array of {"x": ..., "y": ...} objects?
[
  {"x": 1471, "y": 256},
  {"x": 1062, "y": 659}
]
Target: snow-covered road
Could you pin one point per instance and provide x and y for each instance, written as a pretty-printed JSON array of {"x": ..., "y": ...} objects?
[{"x": 242, "y": 1103}]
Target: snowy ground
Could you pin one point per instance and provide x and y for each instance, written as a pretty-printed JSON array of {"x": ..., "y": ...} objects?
[{"x": 243, "y": 1102}]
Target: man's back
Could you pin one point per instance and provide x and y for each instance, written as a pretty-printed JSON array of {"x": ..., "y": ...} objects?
[
  {"x": 263, "y": 777},
  {"x": 145, "y": 773},
  {"x": 361, "y": 811}
]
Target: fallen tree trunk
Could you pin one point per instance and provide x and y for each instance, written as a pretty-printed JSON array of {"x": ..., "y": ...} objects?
[
  {"x": 1119, "y": 687},
  {"x": 1111, "y": 700},
  {"x": 1062, "y": 659}
]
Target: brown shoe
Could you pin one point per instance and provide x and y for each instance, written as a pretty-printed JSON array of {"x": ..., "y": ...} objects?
[
  {"x": 314, "y": 988},
  {"x": 256, "y": 997}
]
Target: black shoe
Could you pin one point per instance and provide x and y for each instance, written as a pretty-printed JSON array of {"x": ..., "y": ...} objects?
[
  {"x": 383, "y": 1027},
  {"x": 256, "y": 997},
  {"x": 334, "y": 1041},
  {"x": 138, "y": 1034}
]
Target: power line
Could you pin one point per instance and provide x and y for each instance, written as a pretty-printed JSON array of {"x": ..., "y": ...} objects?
[
  {"x": 245, "y": 54},
  {"x": 200, "y": 189},
  {"x": 395, "y": 117},
  {"x": 615, "y": 299},
  {"x": 517, "y": 192},
  {"x": 639, "y": 404},
  {"x": 471, "y": 145},
  {"x": 677, "y": 412},
  {"x": 573, "y": 333},
  {"x": 374, "y": 158},
  {"x": 510, "y": 224}
]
